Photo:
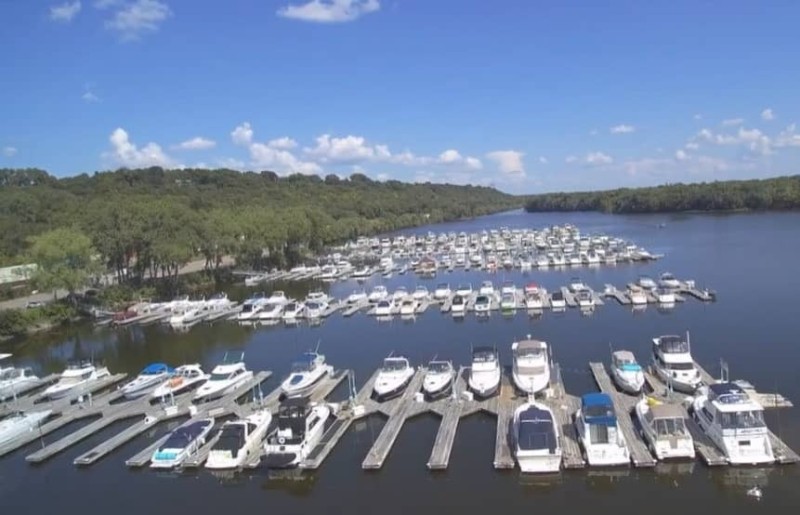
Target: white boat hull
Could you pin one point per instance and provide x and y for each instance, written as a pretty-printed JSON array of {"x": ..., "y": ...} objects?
[
  {"x": 534, "y": 463},
  {"x": 308, "y": 381},
  {"x": 532, "y": 383},
  {"x": 209, "y": 392},
  {"x": 628, "y": 382}
]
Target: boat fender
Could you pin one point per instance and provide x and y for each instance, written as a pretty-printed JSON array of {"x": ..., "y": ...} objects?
[{"x": 281, "y": 440}]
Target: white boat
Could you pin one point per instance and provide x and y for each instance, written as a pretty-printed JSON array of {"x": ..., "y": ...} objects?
[
  {"x": 487, "y": 288},
  {"x": 626, "y": 372},
  {"x": 442, "y": 291},
  {"x": 239, "y": 441},
  {"x": 667, "y": 280},
  {"x": 328, "y": 273},
  {"x": 306, "y": 372},
  {"x": 647, "y": 282},
  {"x": 394, "y": 376},
  {"x": 599, "y": 432},
  {"x": 408, "y": 306},
  {"x": 13, "y": 380},
  {"x": 318, "y": 296},
  {"x": 665, "y": 296},
  {"x": 673, "y": 363},
  {"x": 270, "y": 312},
  {"x": 735, "y": 423},
  {"x": 664, "y": 429},
  {"x": 458, "y": 305},
  {"x": 531, "y": 367},
  {"x": 187, "y": 316},
  {"x": 508, "y": 302},
  {"x": 557, "y": 301},
  {"x": 252, "y": 306},
  {"x": 542, "y": 261},
  {"x": 585, "y": 299},
  {"x": 225, "y": 377},
  {"x": 218, "y": 302},
  {"x": 438, "y": 380},
  {"x": 362, "y": 273},
  {"x": 378, "y": 293},
  {"x": 300, "y": 428},
  {"x": 18, "y": 423},
  {"x": 483, "y": 304},
  {"x": 484, "y": 374},
  {"x": 420, "y": 293},
  {"x": 535, "y": 299},
  {"x": 383, "y": 308},
  {"x": 149, "y": 378},
  {"x": 292, "y": 311},
  {"x": 278, "y": 297},
  {"x": 464, "y": 289},
  {"x": 357, "y": 296},
  {"x": 399, "y": 295},
  {"x": 315, "y": 309},
  {"x": 576, "y": 285},
  {"x": 183, "y": 379},
  {"x": 181, "y": 443},
  {"x": 76, "y": 379},
  {"x": 537, "y": 446},
  {"x": 508, "y": 288},
  {"x": 637, "y": 295}
]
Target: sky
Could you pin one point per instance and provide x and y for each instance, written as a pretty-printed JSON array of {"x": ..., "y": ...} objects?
[{"x": 527, "y": 96}]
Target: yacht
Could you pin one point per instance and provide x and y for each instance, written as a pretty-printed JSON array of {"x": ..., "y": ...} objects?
[
  {"x": 484, "y": 376},
  {"x": 576, "y": 285},
  {"x": 647, "y": 282},
  {"x": 438, "y": 380},
  {"x": 270, "y": 312},
  {"x": 318, "y": 296},
  {"x": 394, "y": 376},
  {"x": 149, "y": 378},
  {"x": 362, "y": 273},
  {"x": 217, "y": 302},
  {"x": 328, "y": 273},
  {"x": 734, "y": 422},
  {"x": 626, "y": 372},
  {"x": 278, "y": 297},
  {"x": 357, "y": 296},
  {"x": 665, "y": 296},
  {"x": 531, "y": 368},
  {"x": 508, "y": 302},
  {"x": 183, "y": 379},
  {"x": 508, "y": 288},
  {"x": 458, "y": 306},
  {"x": 239, "y": 441},
  {"x": 557, "y": 301},
  {"x": 442, "y": 291},
  {"x": 378, "y": 293},
  {"x": 75, "y": 380},
  {"x": 315, "y": 309},
  {"x": 306, "y": 372},
  {"x": 300, "y": 428},
  {"x": 187, "y": 316},
  {"x": 181, "y": 443},
  {"x": 585, "y": 299},
  {"x": 464, "y": 289},
  {"x": 252, "y": 307},
  {"x": 667, "y": 280},
  {"x": 225, "y": 378},
  {"x": 383, "y": 308},
  {"x": 664, "y": 429},
  {"x": 599, "y": 432},
  {"x": 537, "y": 445},
  {"x": 399, "y": 295},
  {"x": 673, "y": 363},
  {"x": 18, "y": 423},
  {"x": 535, "y": 299},
  {"x": 408, "y": 306},
  {"x": 482, "y": 304},
  {"x": 13, "y": 380},
  {"x": 420, "y": 293},
  {"x": 637, "y": 295},
  {"x": 292, "y": 311},
  {"x": 542, "y": 261},
  {"x": 487, "y": 288}
]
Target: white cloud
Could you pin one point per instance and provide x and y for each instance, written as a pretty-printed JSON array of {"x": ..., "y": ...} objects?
[
  {"x": 622, "y": 129},
  {"x": 788, "y": 137},
  {"x": 756, "y": 141},
  {"x": 347, "y": 149},
  {"x": 383, "y": 177},
  {"x": 598, "y": 159},
  {"x": 454, "y": 157},
  {"x": 243, "y": 134},
  {"x": 542, "y": 160},
  {"x": 698, "y": 116},
  {"x": 89, "y": 96},
  {"x": 9, "y": 151},
  {"x": 126, "y": 153},
  {"x": 274, "y": 154},
  {"x": 65, "y": 12},
  {"x": 681, "y": 155},
  {"x": 284, "y": 143},
  {"x": 732, "y": 122},
  {"x": 196, "y": 143},
  {"x": 509, "y": 162},
  {"x": 593, "y": 132},
  {"x": 231, "y": 164},
  {"x": 105, "y": 4},
  {"x": 138, "y": 17},
  {"x": 329, "y": 11},
  {"x": 767, "y": 114}
]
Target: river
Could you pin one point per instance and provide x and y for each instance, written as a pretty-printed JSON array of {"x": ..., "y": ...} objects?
[{"x": 754, "y": 326}]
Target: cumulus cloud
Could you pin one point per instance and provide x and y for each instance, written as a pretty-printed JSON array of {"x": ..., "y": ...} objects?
[
  {"x": 284, "y": 143},
  {"x": 329, "y": 11},
  {"x": 732, "y": 122},
  {"x": 570, "y": 159},
  {"x": 767, "y": 114},
  {"x": 196, "y": 143},
  {"x": 90, "y": 97},
  {"x": 698, "y": 116},
  {"x": 788, "y": 137},
  {"x": 454, "y": 157},
  {"x": 681, "y": 155},
  {"x": 9, "y": 151},
  {"x": 509, "y": 162},
  {"x": 126, "y": 153},
  {"x": 65, "y": 12},
  {"x": 692, "y": 146},
  {"x": 598, "y": 159},
  {"x": 347, "y": 149},
  {"x": 622, "y": 129},
  {"x": 753, "y": 139},
  {"x": 139, "y": 17},
  {"x": 242, "y": 134},
  {"x": 274, "y": 154}
]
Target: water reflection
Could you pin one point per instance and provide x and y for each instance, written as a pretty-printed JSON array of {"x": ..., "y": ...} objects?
[{"x": 541, "y": 482}]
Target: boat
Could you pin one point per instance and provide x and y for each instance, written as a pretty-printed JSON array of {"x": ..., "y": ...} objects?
[
  {"x": 328, "y": 273},
  {"x": 637, "y": 295},
  {"x": 399, "y": 295},
  {"x": 508, "y": 302},
  {"x": 183, "y": 379},
  {"x": 300, "y": 428},
  {"x": 626, "y": 372},
  {"x": 252, "y": 306},
  {"x": 182, "y": 442},
  {"x": 484, "y": 376},
  {"x": 225, "y": 377},
  {"x": 438, "y": 380},
  {"x": 239, "y": 441},
  {"x": 315, "y": 309},
  {"x": 664, "y": 429},
  {"x": 537, "y": 445},
  {"x": 585, "y": 299},
  {"x": 420, "y": 293},
  {"x": 542, "y": 261},
  {"x": 13, "y": 379},
  {"x": 217, "y": 302},
  {"x": 482, "y": 304},
  {"x": 487, "y": 288},
  {"x": 362, "y": 273},
  {"x": 18, "y": 423},
  {"x": 408, "y": 306},
  {"x": 735, "y": 423},
  {"x": 458, "y": 306},
  {"x": 383, "y": 308},
  {"x": 278, "y": 297},
  {"x": 270, "y": 312},
  {"x": 667, "y": 280},
  {"x": 150, "y": 377},
  {"x": 576, "y": 285},
  {"x": 673, "y": 363},
  {"x": 75, "y": 380},
  {"x": 318, "y": 296},
  {"x": 357, "y": 296},
  {"x": 647, "y": 282},
  {"x": 532, "y": 289},
  {"x": 393, "y": 378},
  {"x": 306, "y": 372},
  {"x": 534, "y": 299},
  {"x": 531, "y": 367},
  {"x": 442, "y": 291},
  {"x": 557, "y": 301},
  {"x": 464, "y": 289},
  {"x": 188, "y": 316},
  {"x": 665, "y": 296},
  {"x": 508, "y": 288},
  {"x": 599, "y": 432},
  {"x": 378, "y": 293},
  {"x": 292, "y": 311}
]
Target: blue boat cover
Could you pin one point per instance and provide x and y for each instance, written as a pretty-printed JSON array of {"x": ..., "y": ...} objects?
[
  {"x": 598, "y": 409},
  {"x": 156, "y": 368},
  {"x": 630, "y": 367},
  {"x": 536, "y": 430}
]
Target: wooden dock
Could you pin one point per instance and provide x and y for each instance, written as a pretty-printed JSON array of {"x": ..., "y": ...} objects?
[
  {"x": 503, "y": 441},
  {"x": 446, "y": 435},
  {"x": 564, "y": 407}
]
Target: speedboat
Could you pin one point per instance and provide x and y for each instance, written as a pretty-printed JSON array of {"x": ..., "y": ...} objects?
[
  {"x": 484, "y": 376},
  {"x": 408, "y": 306},
  {"x": 13, "y": 380},
  {"x": 673, "y": 363},
  {"x": 647, "y": 282},
  {"x": 306, "y": 372},
  {"x": 181, "y": 443},
  {"x": 318, "y": 296},
  {"x": 508, "y": 302},
  {"x": 508, "y": 288},
  {"x": 665, "y": 296},
  {"x": 252, "y": 307},
  {"x": 420, "y": 293},
  {"x": 18, "y": 423},
  {"x": 637, "y": 295},
  {"x": 464, "y": 289},
  {"x": 378, "y": 293},
  {"x": 537, "y": 445},
  {"x": 627, "y": 372},
  {"x": 75, "y": 379},
  {"x": 542, "y": 261},
  {"x": 557, "y": 301},
  {"x": 487, "y": 288},
  {"x": 278, "y": 297},
  {"x": 531, "y": 368},
  {"x": 534, "y": 299},
  {"x": 383, "y": 308},
  {"x": 735, "y": 423},
  {"x": 188, "y": 316},
  {"x": 225, "y": 378},
  {"x": 399, "y": 295},
  {"x": 218, "y": 302},
  {"x": 585, "y": 299},
  {"x": 532, "y": 288},
  {"x": 394, "y": 376},
  {"x": 270, "y": 312},
  {"x": 357, "y": 296},
  {"x": 667, "y": 280},
  {"x": 438, "y": 380},
  {"x": 315, "y": 309},
  {"x": 442, "y": 291},
  {"x": 239, "y": 440},
  {"x": 576, "y": 285},
  {"x": 599, "y": 431},
  {"x": 300, "y": 428},
  {"x": 150, "y": 377},
  {"x": 664, "y": 429},
  {"x": 458, "y": 305},
  {"x": 183, "y": 379},
  {"x": 292, "y": 311},
  {"x": 482, "y": 304}
]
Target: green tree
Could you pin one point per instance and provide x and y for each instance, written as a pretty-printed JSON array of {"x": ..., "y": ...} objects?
[{"x": 64, "y": 258}]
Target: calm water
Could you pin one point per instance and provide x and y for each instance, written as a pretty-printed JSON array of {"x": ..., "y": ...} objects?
[{"x": 748, "y": 259}]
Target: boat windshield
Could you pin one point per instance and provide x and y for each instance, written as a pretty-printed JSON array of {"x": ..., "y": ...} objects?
[
  {"x": 301, "y": 366},
  {"x": 438, "y": 366},
  {"x": 483, "y": 356},
  {"x": 741, "y": 419},
  {"x": 482, "y": 299},
  {"x": 394, "y": 365},
  {"x": 216, "y": 376},
  {"x": 670, "y": 427},
  {"x": 231, "y": 438}
]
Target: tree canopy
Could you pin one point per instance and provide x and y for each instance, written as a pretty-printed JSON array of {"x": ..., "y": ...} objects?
[{"x": 64, "y": 259}]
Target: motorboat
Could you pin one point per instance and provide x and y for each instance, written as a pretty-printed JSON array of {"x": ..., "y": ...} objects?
[
  {"x": 667, "y": 280},
  {"x": 292, "y": 311},
  {"x": 399, "y": 295},
  {"x": 537, "y": 446},
  {"x": 464, "y": 289},
  {"x": 14, "y": 380},
  {"x": 408, "y": 306},
  {"x": 76, "y": 379},
  {"x": 306, "y": 372},
  {"x": 626, "y": 372},
  {"x": 442, "y": 291},
  {"x": 225, "y": 377},
  {"x": 188, "y": 316},
  {"x": 531, "y": 367},
  {"x": 182, "y": 442},
  {"x": 378, "y": 293},
  {"x": 270, "y": 312},
  {"x": 557, "y": 301},
  {"x": 599, "y": 432},
  {"x": 535, "y": 299},
  {"x": 300, "y": 428},
  {"x": 384, "y": 308},
  {"x": 328, "y": 273},
  {"x": 482, "y": 304},
  {"x": 357, "y": 296},
  {"x": 278, "y": 297},
  {"x": 182, "y": 379},
  {"x": 484, "y": 375},
  {"x": 438, "y": 380},
  {"x": 458, "y": 306},
  {"x": 315, "y": 309},
  {"x": 420, "y": 293},
  {"x": 318, "y": 296},
  {"x": 239, "y": 441},
  {"x": 149, "y": 378},
  {"x": 508, "y": 302},
  {"x": 576, "y": 285},
  {"x": 18, "y": 423},
  {"x": 362, "y": 273},
  {"x": 734, "y": 422},
  {"x": 665, "y": 296},
  {"x": 664, "y": 429},
  {"x": 487, "y": 288},
  {"x": 252, "y": 306},
  {"x": 637, "y": 295},
  {"x": 673, "y": 363},
  {"x": 542, "y": 261},
  {"x": 647, "y": 282},
  {"x": 217, "y": 302},
  {"x": 532, "y": 288},
  {"x": 508, "y": 288},
  {"x": 393, "y": 378},
  {"x": 585, "y": 299}
]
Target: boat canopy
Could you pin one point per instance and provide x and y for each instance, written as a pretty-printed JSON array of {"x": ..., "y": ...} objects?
[
  {"x": 156, "y": 368},
  {"x": 727, "y": 393},
  {"x": 530, "y": 347},
  {"x": 304, "y": 362},
  {"x": 439, "y": 366},
  {"x": 185, "y": 434},
  {"x": 598, "y": 409},
  {"x": 626, "y": 361},
  {"x": 483, "y": 354},
  {"x": 672, "y": 344},
  {"x": 536, "y": 430}
]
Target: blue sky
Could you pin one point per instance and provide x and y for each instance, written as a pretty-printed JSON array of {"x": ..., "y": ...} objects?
[{"x": 525, "y": 95}]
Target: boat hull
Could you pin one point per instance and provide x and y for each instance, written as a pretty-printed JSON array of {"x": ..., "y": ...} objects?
[
  {"x": 304, "y": 388},
  {"x": 531, "y": 383},
  {"x": 437, "y": 391},
  {"x": 539, "y": 463},
  {"x": 383, "y": 394}
]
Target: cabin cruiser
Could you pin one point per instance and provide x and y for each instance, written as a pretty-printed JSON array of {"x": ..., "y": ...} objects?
[
  {"x": 182, "y": 379},
  {"x": 328, "y": 273},
  {"x": 270, "y": 312},
  {"x": 252, "y": 307},
  {"x": 357, "y": 296},
  {"x": 487, "y": 288},
  {"x": 664, "y": 429},
  {"x": 18, "y": 423},
  {"x": 278, "y": 297},
  {"x": 181, "y": 443},
  {"x": 599, "y": 432},
  {"x": 362, "y": 273},
  {"x": 508, "y": 302},
  {"x": 534, "y": 299},
  {"x": 508, "y": 288},
  {"x": 482, "y": 304},
  {"x": 484, "y": 376},
  {"x": 576, "y": 285},
  {"x": 637, "y": 295},
  {"x": 438, "y": 380},
  {"x": 394, "y": 376},
  {"x": 665, "y": 296},
  {"x": 557, "y": 301},
  {"x": 464, "y": 289},
  {"x": 75, "y": 379},
  {"x": 531, "y": 368},
  {"x": 384, "y": 308},
  {"x": 315, "y": 309},
  {"x": 537, "y": 445},
  {"x": 542, "y": 261},
  {"x": 306, "y": 372},
  {"x": 673, "y": 363},
  {"x": 647, "y": 282},
  {"x": 239, "y": 440},
  {"x": 217, "y": 302},
  {"x": 585, "y": 299},
  {"x": 667, "y": 280},
  {"x": 378, "y": 293},
  {"x": 318, "y": 296},
  {"x": 420, "y": 293},
  {"x": 735, "y": 423},
  {"x": 399, "y": 295},
  {"x": 626, "y": 372},
  {"x": 225, "y": 377},
  {"x": 292, "y": 311},
  {"x": 188, "y": 316},
  {"x": 408, "y": 306},
  {"x": 442, "y": 291},
  {"x": 300, "y": 428},
  {"x": 458, "y": 306},
  {"x": 13, "y": 380},
  {"x": 149, "y": 378}
]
